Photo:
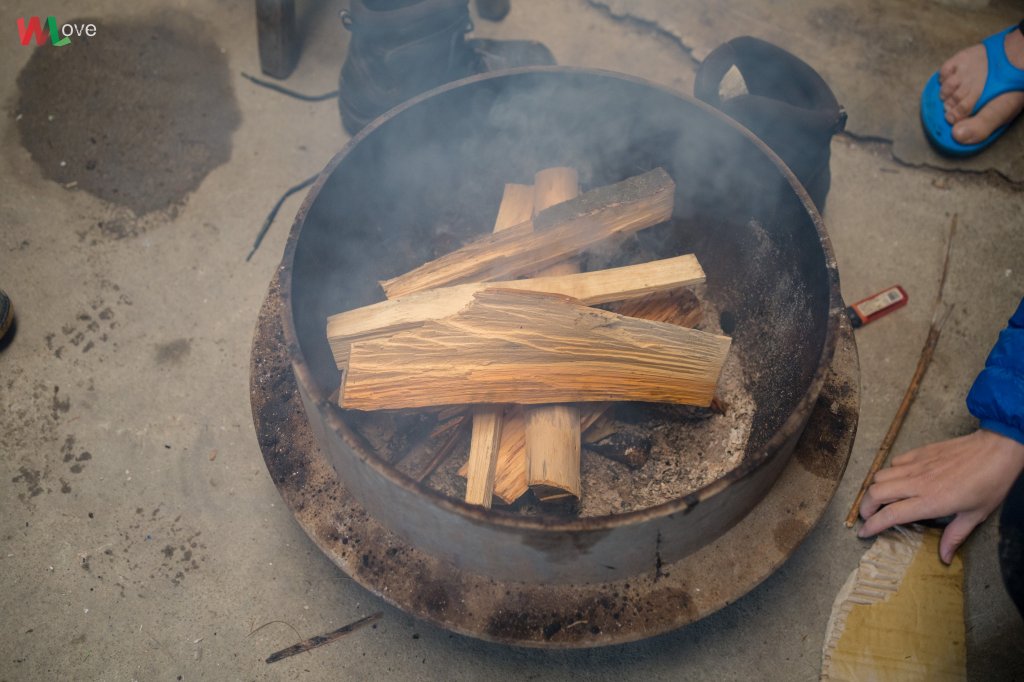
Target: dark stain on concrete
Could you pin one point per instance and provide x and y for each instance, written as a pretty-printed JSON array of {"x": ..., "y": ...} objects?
[
  {"x": 65, "y": 487},
  {"x": 67, "y": 450},
  {"x": 59, "y": 406},
  {"x": 173, "y": 352},
  {"x": 32, "y": 478},
  {"x": 137, "y": 115},
  {"x": 788, "y": 533}
]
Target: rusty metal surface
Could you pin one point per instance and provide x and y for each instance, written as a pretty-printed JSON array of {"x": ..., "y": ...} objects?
[
  {"x": 665, "y": 597},
  {"x": 767, "y": 250}
]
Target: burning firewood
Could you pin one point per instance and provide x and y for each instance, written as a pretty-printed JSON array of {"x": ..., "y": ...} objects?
[
  {"x": 562, "y": 231},
  {"x": 623, "y": 446},
  {"x": 530, "y": 348},
  {"x": 591, "y": 288}
]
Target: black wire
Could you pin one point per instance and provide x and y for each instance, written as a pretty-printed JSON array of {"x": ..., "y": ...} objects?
[
  {"x": 273, "y": 212},
  {"x": 291, "y": 93},
  {"x": 296, "y": 188}
]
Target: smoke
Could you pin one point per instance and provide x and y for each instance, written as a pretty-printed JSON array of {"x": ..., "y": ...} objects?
[{"x": 431, "y": 177}]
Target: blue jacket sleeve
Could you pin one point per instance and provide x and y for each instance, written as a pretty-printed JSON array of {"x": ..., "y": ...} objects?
[{"x": 997, "y": 397}]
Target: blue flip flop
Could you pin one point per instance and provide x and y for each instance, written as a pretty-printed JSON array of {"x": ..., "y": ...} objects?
[{"x": 1002, "y": 77}]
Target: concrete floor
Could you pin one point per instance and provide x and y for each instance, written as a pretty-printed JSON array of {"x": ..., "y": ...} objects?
[{"x": 156, "y": 555}]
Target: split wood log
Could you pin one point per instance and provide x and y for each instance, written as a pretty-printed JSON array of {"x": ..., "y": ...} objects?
[
  {"x": 483, "y": 454},
  {"x": 530, "y": 348},
  {"x": 510, "y": 470},
  {"x": 680, "y": 307},
  {"x": 553, "y": 235},
  {"x": 516, "y": 206},
  {"x": 591, "y": 288},
  {"x": 553, "y": 431}
]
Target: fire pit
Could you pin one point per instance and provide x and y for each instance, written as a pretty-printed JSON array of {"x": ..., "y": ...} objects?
[{"x": 427, "y": 177}]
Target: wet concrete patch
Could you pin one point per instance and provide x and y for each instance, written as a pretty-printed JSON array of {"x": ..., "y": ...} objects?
[
  {"x": 137, "y": 115},
  {"x": 173, "y": 352}
]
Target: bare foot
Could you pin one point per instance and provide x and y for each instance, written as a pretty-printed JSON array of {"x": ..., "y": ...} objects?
[{"x": 963, "y": 80}]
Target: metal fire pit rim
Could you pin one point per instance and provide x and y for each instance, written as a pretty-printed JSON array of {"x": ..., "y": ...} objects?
[
  {"x": 727, "y": 568},
  {"x": 790, "y": 428}
]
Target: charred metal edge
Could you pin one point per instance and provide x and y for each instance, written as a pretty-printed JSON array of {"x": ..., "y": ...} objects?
[{"x": 667, "y": 597}]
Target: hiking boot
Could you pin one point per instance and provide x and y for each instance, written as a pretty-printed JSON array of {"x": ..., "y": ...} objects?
[
  {"x": 6, "y": 314},
  {"x": 396, "y": 54},
  {"x": 493, "y": 10}
]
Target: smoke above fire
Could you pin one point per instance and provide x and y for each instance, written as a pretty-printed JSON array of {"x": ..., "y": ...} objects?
[{"x": 427, "y": 178}]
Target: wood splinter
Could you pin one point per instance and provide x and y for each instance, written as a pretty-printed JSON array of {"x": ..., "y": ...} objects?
[{"x": 320, "y": 640}]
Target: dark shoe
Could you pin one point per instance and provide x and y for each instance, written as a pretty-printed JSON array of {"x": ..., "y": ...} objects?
[
  {"x": 788, "y": 105},
  {"x": 496, "y": 55},
  {"x": 397, "y": 54},
  {"x": 493, "y": 10},
  {"x": 6, "y": 314}
]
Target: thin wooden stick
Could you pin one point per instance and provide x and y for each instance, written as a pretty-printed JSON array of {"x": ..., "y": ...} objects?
[
  {"x": 897, "y": 422},
  {"x": 442, "y": 429},
  {"x": 939, "y": 318},
  {"x": 320, "y": 640},
  {"x": 945, "y": 261},
  {"x": 442, "y": 453}
]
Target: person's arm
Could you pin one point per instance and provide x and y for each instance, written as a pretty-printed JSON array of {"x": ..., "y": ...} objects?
[
  {"x": 997, "y": 397},
  {"x": 968, "y": 476}
]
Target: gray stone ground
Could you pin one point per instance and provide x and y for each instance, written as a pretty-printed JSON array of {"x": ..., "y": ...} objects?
[{"x": 154, "y": 555}]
